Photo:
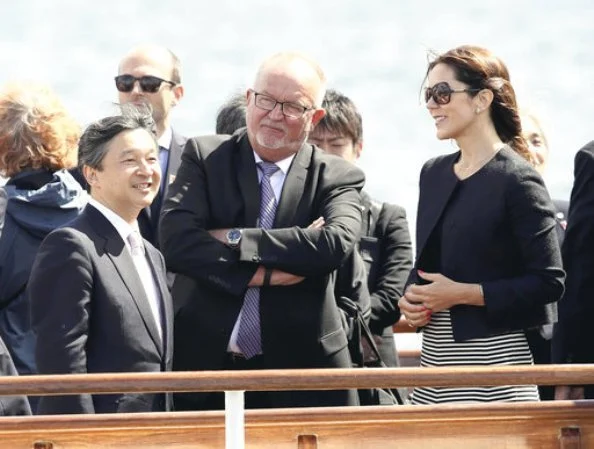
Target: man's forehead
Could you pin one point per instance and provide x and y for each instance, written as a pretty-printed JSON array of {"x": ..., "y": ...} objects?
[
  {"x": 145, "y": 62},
  {"x": 324, "y": 133}
]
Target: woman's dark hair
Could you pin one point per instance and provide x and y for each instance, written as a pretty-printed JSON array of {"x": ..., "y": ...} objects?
[{"x": 480, "y": 69}]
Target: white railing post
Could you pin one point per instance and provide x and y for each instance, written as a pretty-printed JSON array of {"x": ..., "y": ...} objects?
[{"x": 234, "y": 420}]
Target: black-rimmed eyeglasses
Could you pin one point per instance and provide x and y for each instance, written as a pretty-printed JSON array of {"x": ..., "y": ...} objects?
[
  {"x": 148, "y": 83},
  {"x": 442, "y": 92},
  {"x": 291, "y": 110}
]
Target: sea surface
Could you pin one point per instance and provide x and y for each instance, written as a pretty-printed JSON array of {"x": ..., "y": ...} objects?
[{"x": 374, "y": 51}]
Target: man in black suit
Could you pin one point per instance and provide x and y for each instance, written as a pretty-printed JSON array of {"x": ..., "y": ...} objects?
[
  {"x": 152, "y": 75},
  {"x": 385, "y": 243},
  {"x": 255, "y": 225},
  {"x": 573, "y": 336},
  {"x": 99, "y": 298}
]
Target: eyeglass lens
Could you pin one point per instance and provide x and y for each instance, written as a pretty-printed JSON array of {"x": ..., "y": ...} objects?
[
  {"x": 149, "y": 84},
  {"x": 441, "y": 93}
]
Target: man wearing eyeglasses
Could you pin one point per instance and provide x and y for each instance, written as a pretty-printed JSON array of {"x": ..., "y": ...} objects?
[
  {"x": 151, "y": 75},
  {"x": 255, "y": 226}
]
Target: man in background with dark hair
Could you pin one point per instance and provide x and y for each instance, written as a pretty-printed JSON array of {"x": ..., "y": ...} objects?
[
  {"x": 231, "y": 116},
  {"x": 151, "y": 75},
  {"x": 99, "y": 297},
  {"x": 385, "y": 243}
]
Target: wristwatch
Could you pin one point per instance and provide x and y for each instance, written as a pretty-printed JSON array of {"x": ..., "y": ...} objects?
[{"x": 233, "y": 237}]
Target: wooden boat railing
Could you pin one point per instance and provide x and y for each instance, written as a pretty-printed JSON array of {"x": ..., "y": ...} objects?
[{"x": 557, "y": 424}]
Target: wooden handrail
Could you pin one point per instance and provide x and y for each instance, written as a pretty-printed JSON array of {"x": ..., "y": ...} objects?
[
  {"x": 311, "y": 379},
  {"x": 487, "y": 411}
]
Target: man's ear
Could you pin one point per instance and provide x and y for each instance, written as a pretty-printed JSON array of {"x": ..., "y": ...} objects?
[
  {"x": 89, "y": 174},
  {"x": 317, "y": 116},
  {"x": 178, "y": 94}
]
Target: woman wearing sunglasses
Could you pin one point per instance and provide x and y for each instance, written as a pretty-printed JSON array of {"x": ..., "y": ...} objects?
[{"x": 488, "y": 261}]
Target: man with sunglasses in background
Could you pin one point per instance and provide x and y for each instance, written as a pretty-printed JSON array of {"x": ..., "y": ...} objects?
[
  {"x": 255, "y": 226},
  {"x": 151, "y": 75}
]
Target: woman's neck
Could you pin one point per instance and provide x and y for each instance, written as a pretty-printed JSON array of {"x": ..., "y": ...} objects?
[{"x": 478, "y": 146}]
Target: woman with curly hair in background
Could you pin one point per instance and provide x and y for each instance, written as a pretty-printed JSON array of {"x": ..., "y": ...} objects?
[{"x": 38, "y": 144}]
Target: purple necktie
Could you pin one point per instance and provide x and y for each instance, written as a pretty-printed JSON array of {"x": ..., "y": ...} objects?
[
  {"x": 249, "y": 338},
  {"x": 136, "y": 244}
]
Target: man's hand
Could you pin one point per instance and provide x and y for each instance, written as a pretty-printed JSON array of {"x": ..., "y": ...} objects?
[
  {"x": 219, "y": 234},
  {"x": 278, "y": 278},
  {"x": 318, "y": 223}
]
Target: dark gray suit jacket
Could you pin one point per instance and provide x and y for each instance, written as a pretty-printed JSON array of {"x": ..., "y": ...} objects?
[
  {"x": 91, "y": 314},
  {"x": 217, "y": 187}
]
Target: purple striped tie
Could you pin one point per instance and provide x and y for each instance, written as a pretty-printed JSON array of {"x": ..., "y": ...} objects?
[{"x": 249, "y": 338}]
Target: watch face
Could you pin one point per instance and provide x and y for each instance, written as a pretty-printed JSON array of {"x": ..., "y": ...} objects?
[{"x": 234, "y": 235}]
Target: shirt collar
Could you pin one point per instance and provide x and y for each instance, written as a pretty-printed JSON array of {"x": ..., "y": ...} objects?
[
  {"x": 165, "y": 140},
  {"x": 283, "y": 164},
  {"x": 123, "y": 228}
]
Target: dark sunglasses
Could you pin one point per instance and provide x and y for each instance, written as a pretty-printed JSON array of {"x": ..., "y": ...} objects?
[
  {"x": 442, "y": 92},
  {"x": 148, "y": 83}
]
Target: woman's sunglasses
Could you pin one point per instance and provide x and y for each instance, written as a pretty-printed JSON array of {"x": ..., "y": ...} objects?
[
  {"x": 148, "y": 83},
  {"x": 442, "y": 92}
]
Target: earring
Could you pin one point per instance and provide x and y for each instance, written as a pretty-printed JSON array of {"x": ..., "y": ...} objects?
[{"x": 477, "y": 110}]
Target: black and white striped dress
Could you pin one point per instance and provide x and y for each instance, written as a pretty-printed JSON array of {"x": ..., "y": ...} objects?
[{"x": 440, "y": 349}]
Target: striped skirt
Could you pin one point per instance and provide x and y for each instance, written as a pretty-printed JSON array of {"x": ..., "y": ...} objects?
[{"x": 440, "y": 349}]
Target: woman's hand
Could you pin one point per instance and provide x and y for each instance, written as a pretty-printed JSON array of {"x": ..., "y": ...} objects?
[
  {"x": 416, "y": 315},
  {"x": 442, "y": 293}
]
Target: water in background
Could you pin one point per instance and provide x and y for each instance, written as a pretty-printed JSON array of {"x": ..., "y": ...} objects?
[{"x": 373, "y": 51}]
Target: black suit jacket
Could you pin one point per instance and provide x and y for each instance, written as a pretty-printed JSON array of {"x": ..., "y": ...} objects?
[
  {"x": 387, "y": 250},
  {"x": 217, "y": 187},
  {"x": 148, "y": 219},
  {"x": 574, "y": 333},
  {"x": 393, "y": 264},
  {"x": 502, "y": 236},
  {"x": 91, "y": 314}
]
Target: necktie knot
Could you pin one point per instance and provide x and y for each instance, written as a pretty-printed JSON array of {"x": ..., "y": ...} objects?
[
  {"x": 136, "y": 244},
  {"x": 268, "y": 168}
]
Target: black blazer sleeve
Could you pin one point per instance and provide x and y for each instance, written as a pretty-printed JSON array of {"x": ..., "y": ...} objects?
[
  {"x": 531, "y": 219},
  {"x": 574, "y": 334},
  {"x": 185, "y": 220},
  {"x": 351, "y": 282},
  {"x": 393, "y": 266},
  {"x": 60, "y": 290},
  {"x": 313, "y": 252}
]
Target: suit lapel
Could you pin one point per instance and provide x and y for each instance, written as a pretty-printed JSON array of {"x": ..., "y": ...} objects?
[
  {"x": 293, "y": 188},
  {"x": 122, "y": 260},
  {"x": 438, "y": 185},
  {"x": 247, "y": 177}
]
